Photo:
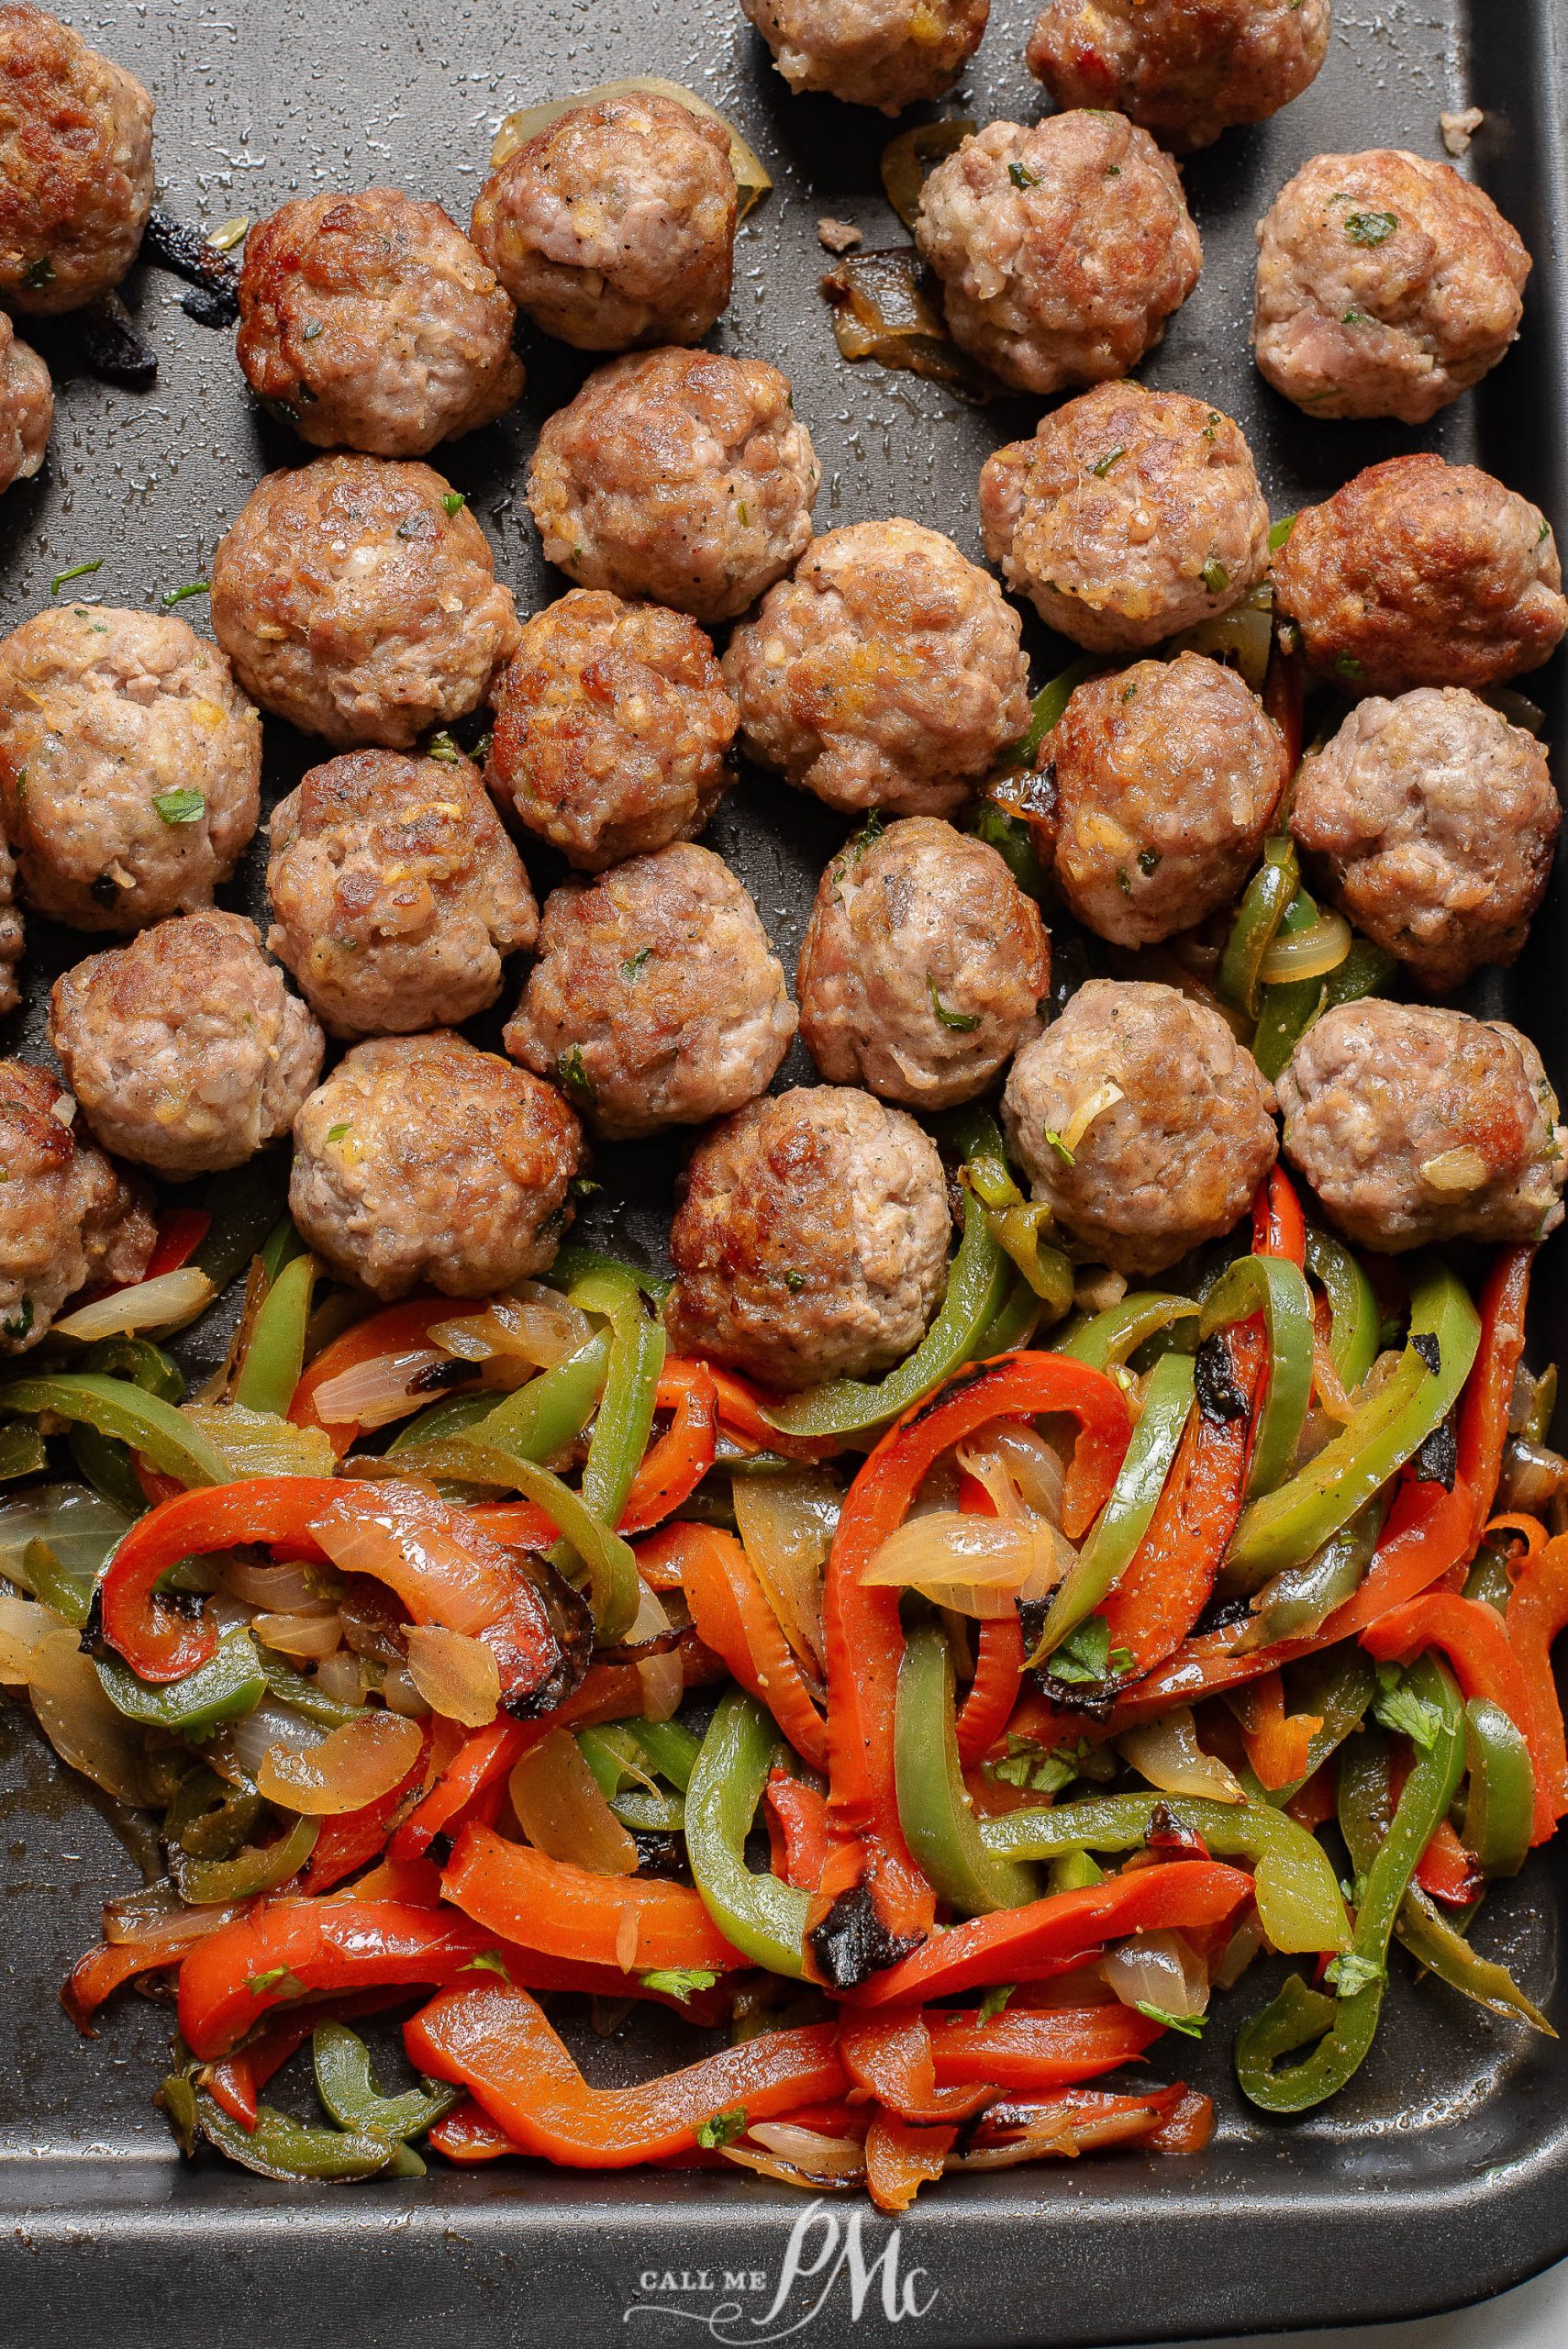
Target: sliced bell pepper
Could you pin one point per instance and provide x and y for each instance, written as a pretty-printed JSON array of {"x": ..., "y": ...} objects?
[
  {"x": 397, "y": 1329},
  {"x": 1108, "y": 1337},
  {"x": 1499, "y": 1806},
  {"x": 230, "y": 1684},
  {"x": 274, "y": 1358},
  {"x": 800, "y": 1815},
  {"x": 637, "y": 1924},
  {"x": 1354, "y": 1319},
  {"x": 934, "y": 1810},
  {"x": 353, "y": 1837},
  {"x": 735, "y": 1618},
  {"x": 346, "y": 2084},
  {"x": 622, "y": 1425},
  {"x": 888, "y": 2053},
  {"x": 1278, "y": 1743},
  {"x": 1275, "y": 1287},
  {"x": 757, "y": 1914},
  {"x": 1296, "y": 1603},
  {"x": 1046, "y": 2047},
  {"x": 1537, "y": 1613},
  {"x": 902, "y": 2156},
  {"x": 1279, "y": 1226},
  {"x": 181, "y": 1231},
  {"x": 1482, "y": 1430},
  {"x": 260, "y": 1867},
  {"x": 677, "y": 1461},
  {"x": 1258, "y": 917},
  {"x": 1472, "y": 1636},
  {"x": 116, "y": 1408},
  {"x": 275, "y": 2145},
  {"x": 992, "y": 1694}
]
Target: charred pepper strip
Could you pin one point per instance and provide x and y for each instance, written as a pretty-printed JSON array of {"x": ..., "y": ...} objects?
[
  {"x": 1354, "y": 1315},
  {"x": 1277, "y": 1288},
  {"x": 934, "y": 1808},
  {"x": 758, "y": 1914}
]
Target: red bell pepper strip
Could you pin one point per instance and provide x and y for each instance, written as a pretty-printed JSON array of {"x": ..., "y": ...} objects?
[
  {"x": 1472, "y": 1635},
  {"x": 181, "y": 1231},
  {"x": 901, "y": 2157},
  {"x": 741, "y": 1414},
  {"x": 468, "y": 2134},
  {"x": 1279, "y": 1228},
  {"x": 735, "y": 1618},
  {"x": 397, "y": 1329},
  {"x": 495, "y": 2041},
  {"x": 1447, "y": 1871},
  {"x": 887, "y": 2052},
  {"x": 235, "y": 2082},
  {"x": 1045, "y": 2047},
  {"x": 799, "y": 1814},
  {"x": 1482, "y": 1429},
  {"x": 1276, "y": 1743},
  {"x": 485, "y": 1757},
  {"x": 637, "y": 1924},
  {"x": 992, "y": 1694},
  {"x": 98, "y": 1974},
  {"x": 1537, "y": 1613},
  {"x": 351, "y": 1838},
  {"x": 158, "y": 1641},
  {"x": 677, "y": 1461}
]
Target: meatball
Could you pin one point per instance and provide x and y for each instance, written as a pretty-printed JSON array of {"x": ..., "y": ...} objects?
[
  {"x": 887, "y": 673},
  {"x": 884, "y": 53},
  {"x": 373, "y": 323},
  {"x": 1130, "y": 514},
  {"x": 683, "y": 476},
  {"x": 811, "y": 1238},
  {"x": 421, "y": 1160},
  {"x": 130, "y": 765},
  {"x": 1418, "y": 572},
  {"x": 75, "y": 165},
  {"x": 1187, "y": 70},
  {"x": 1387, "y": 286},
  {"x": 1435, "y": 820},
  {"x": 1414, "y": 1124},
  {"x": 615, "y": 224},
  {"x": 1063, "y": 247},
  {"x": 395, "y": 893},
  {"x": 1167, "y": 778},
  {"x": 923, "y": 966},
  {"x": 656, "y": 1000},
  {"x": 1141, "y": 1123},
  {"x": 612, "y": 729},
  {"x": 10, "y": 932},
  {"x": 27, "y": 406},
  {"x": 67, "y": 1216},
  {"x": 185, "y": 1048},
  {"x": 358, "y": 599}
]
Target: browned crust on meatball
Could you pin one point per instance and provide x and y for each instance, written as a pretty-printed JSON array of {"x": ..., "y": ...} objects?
[
  {"x": 884, "y": 53},
  {"x": 75, "y": 165},
  {"x": 67, "y": 1216},
  {"x": 27, "y": 406},
  {"x": 1187, "y": 70}
]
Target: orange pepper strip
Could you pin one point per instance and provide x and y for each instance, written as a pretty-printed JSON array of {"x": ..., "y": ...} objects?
[
  {"x": 1530, "y": 1531},
  {"x": 1045, "y": 2047},
  {"x": 399, "y": 1330},
  {"x": 1446, "y": 1870},
  {"x": 495, "y": 2041},
  {"x": 1483, "y": 1414},
  {"x": 901, "y": 2157},
  {"x": 1537, "y": 1613},
  {"x": 735, "y": 1618},
  {"x": 1279, "y": 1228},
  {"x": 1473, "y": 1637},
  {"x": 993, "y": 1691},
  {"x": 677, "y": 1461},
  {"x": 887, "y": 2052},
  {"x": 1277, "y": 1743},
  {"x": 800, "y": 1813},
  {"x": 636, "y": 1923},
  {"x": 740, "y": 1410}
]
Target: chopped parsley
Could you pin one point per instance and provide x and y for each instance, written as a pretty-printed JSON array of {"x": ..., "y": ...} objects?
[
  {"x": 453, "y": 503},
  {"x": 631, "y": 970},
  {"x": 1147, "y": 861},
  {"x": 1191, "y": 2026},
  {"x": 1398, "y": 1708},
  {"x": 1370, "y": 227},
  {"x": 573, "y": 1079},
  {"x": 1059, "y": 1147},
  {"x": 1350, "y": 1974},
  {"x": 1122, "y": 881},
  {"x": 794, "y": 1282},
  {"x": 1216, "y": 578},
  {"x": 489, "y": 1961},
  {"x": 679, "y": 1981},
  {"x": 722, "y": 2128},
  {"x": 1021, "y": 176},
  {"x": 341, "y": 1132},
  {"x": 442, "y": 748},
  {"x": 1211, "y": 428},
  {"x": 870, "y": 833},
  {"x": 182, "y": 594},
  {"x": 183, "y": 806},
  {"x": 1279, "y": 535},
  {"x": 1347, "y": 664},
  {"x": 1358, "y": 318},
  {"x": 1086, "y": 1655},
  {"x": 962, "y": 1023},
  {"x": 1112, "y": 456},
  {"x": 80, "y": 570},
  {"x": 38, "y": 273}
]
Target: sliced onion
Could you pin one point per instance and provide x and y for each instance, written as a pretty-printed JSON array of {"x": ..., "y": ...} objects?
[
  {"x": 24, "y": 1626},
  {"x": 339, "y": 1675},
  {"x": 284, "y": 1590},
  {"x": 166, "y": 1303},
  {"x": 79, "y": 1720},
  {"x": 373, "y": 1394},
  {"x": 80, "y": 1527},
  {"x": 886, "y": 307},
  {"x": 350, "y": 1767},
  {"x": 786, "y": 1524},
  {"x": 906, "y": 160},
  {"x": 651, "y": 1620},
  {"x": 561, "y": 1809},
  {"x": 1093, "y": 1105},
  {"x": 750, "y": 175},
  {"x": 1158, "y": 1969},
  {"x": 1020, "y": 1470},
  {"x": 809, "y": 2149},
  {"x": 1532, "y": 1475},
  {"x": 1168, "y": 1755},
  {"x": 664, "y": 1681},
  {"x": 399, "y": 1695},
  {"x": 158, "y": 1914},
  {"x": 307, "y": 1636},
  {"x": 261, "y": 1443},
  {"x": 1461, "y": 1169},
  {"x": 270, "y": 1728},
  {"x": 977, "y": 1565},
  {"x": 457, "y": 1677},
  {"x": 1239, "y": 1951},
  {"x": 536, "y": 1325},
  {"x": 1309, "y": 953}
]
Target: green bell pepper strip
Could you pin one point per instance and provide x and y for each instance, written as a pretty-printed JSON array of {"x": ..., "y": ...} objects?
[
  {"x": 230, "y": 1684},
  {"x": 1489, "y": 1579},
  {"x": 1013, "y": 1325},
  {"x": 305, "y": 1695},
  {"x": 1295, "y": 1604},
  {"x": 1366, "y": 970},
  {"x": 243, "y": 1203},
  {"x": 1354, "y": 1315},
  {"x": 1277, "y": 1288},
  {"x": 1258, "y": 919},
  {"x": 1499, "y": 1808},
  {"x": 1010, "y": 836},
  {"x": 1047, "y": 708},
  {"x": 624, "y": 1421},
  {"x": 668, "y": 1747},
  {"x": 137, "y": 1359},
  {"x": 1299, "y": 1902},
  {"x": 278, "y": 2146},
  {"x": 1427, "y": 1792},
  {"x": 1072, "y": 1872},
  {"x": 213, "y": 1884},
  {"x": 765, "y": 1918},
  {"x": 575, "y": 1262},
  {"x": 545, "y": 1418},
  {"x": 347, "y": 2085},
  {"x": 934, "y": 1808},
  {"x": 1110, "y": 1337},
  {"x": 1339, "y": 1688},
  {"x": 1124, "y": 1520},
  {"x": 587, "y": 1547},
  {"x": 609, "y": 1753},
  {"x": 453, "y": 1415},
  {"x": 280, "y": 1246},
  {"x": 1280, "y": 1528},
  {"x": 1287, "y": 1008},
  {"x": 22, "y": 1451},
  {"x": 106, "y": 1465},
  {"x": 651, "y": 1811},
  {"x": 1019, "y": 1233},
  {"x": 114, "y": 1407},
  {"x": 69, "y": 1592},
  {"x": 274, "y": 1353}
]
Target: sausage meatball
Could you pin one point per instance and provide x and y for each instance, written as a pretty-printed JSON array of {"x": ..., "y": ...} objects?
[
  {"x": 1063, "y": 247},
  {"x": 887, "y": 673},
  {"x": 130, "y": 765},
  {"x": 923, "y": 966},
  {"x": 1141, "y": 1122},
  {"x": 10, "y": 932},
  {"x": 395, "y": 893},
  {"x": 811, "y": 1238},
  {"x": 656, "y": 1000},
  {"x": 612, "y": 729},
  {"x": 75, "y": 165},
  {"x": 67, "y": 1216},
  {"x": 1414, "y": 1123},
  {"x": 1131, "y": 514},
  {"x": 358, "y": 599},
  {"x": 372, "y": 321},
  {"x": 1167, "y": 777},
  {"x": 185, "y": 1048},
  {"x": 615, "y": 224},
  {"x": 1418, "y": 572},
  {"x": 1435, "y": 820},
  {"x": 684, "y": 476},
  {"x": 1187, "y": 70},
  {"x": 421, "y": 1160},
  {"x": 27, "y": 406},
  {"x": 1386, "y": 285},
  {"x": 884, "y": 53}
]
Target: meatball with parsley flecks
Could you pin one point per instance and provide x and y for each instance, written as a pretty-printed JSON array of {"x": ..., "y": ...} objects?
[
  {"x": 811, "y": 1238},
  {"x": 358, "y": 599},
  {"x": 27, "y": 406},
  {"x": 1063, "y": 247},
  {"x": 394, "y": 892},
  {"x": 185, "y": 1048},
  {"x": 1187, "y": 70},
  {"x": 1140, "y": 1122},
  {"x": 423, "y": 1161},
  {"x": 657, "y": 999},
  {"x": 884, "y": 53},
  {"x": 10, "y": 930},
  {"x": 1131, "y": 514},
  {"x": 130, "y": 765},
  {"x": 374, "y": 324},
  {"x": 75, "y": 165},
  {"x": 68, "y": 1219},
  {"x": 887, "y": 673},
  {"x": 1416, "y": 1125}
]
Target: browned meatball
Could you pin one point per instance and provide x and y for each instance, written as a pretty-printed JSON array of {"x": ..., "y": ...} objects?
[
  {"x": 1131, "y": 514},
  {"x": 884, "y": 53},
  {"x": 358, "y": 599},
  {"x": 421, "y": 1160},
  {"x": 615, "y": 224},
  {"x": 1167, "y": 776},
  {"x": 657, "y": 999},
  {"x": 1414, "y": 1124},
  {"x": 75, "y": 165},
  {"x": 131, "y": 764},
  {"x": 811, "y": 1238},
  {"x": 1185, "y": 68},
  {"x": 67, "y": 1217},
  {"x": 371, "y": 321},
  {"x": 1418, "y": 572},
  {"x": 27, "y": 406},
  {"x": 1063, "y": 247},
  {"x": 1435, "y": 820},
  {"x": 10, "y": 932},
  {"x": 612, "y": 729},
  {"x": 886, "y": 674},
  {"x": 923, "y": 966},
  {"x": 684, "y": 476},
  {"x": 185, "y": 1048},
  {"x": 1141, "y": 1122},
  {"x": 395, "y": 893},
  {"x": 1386, "y": 285}
]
